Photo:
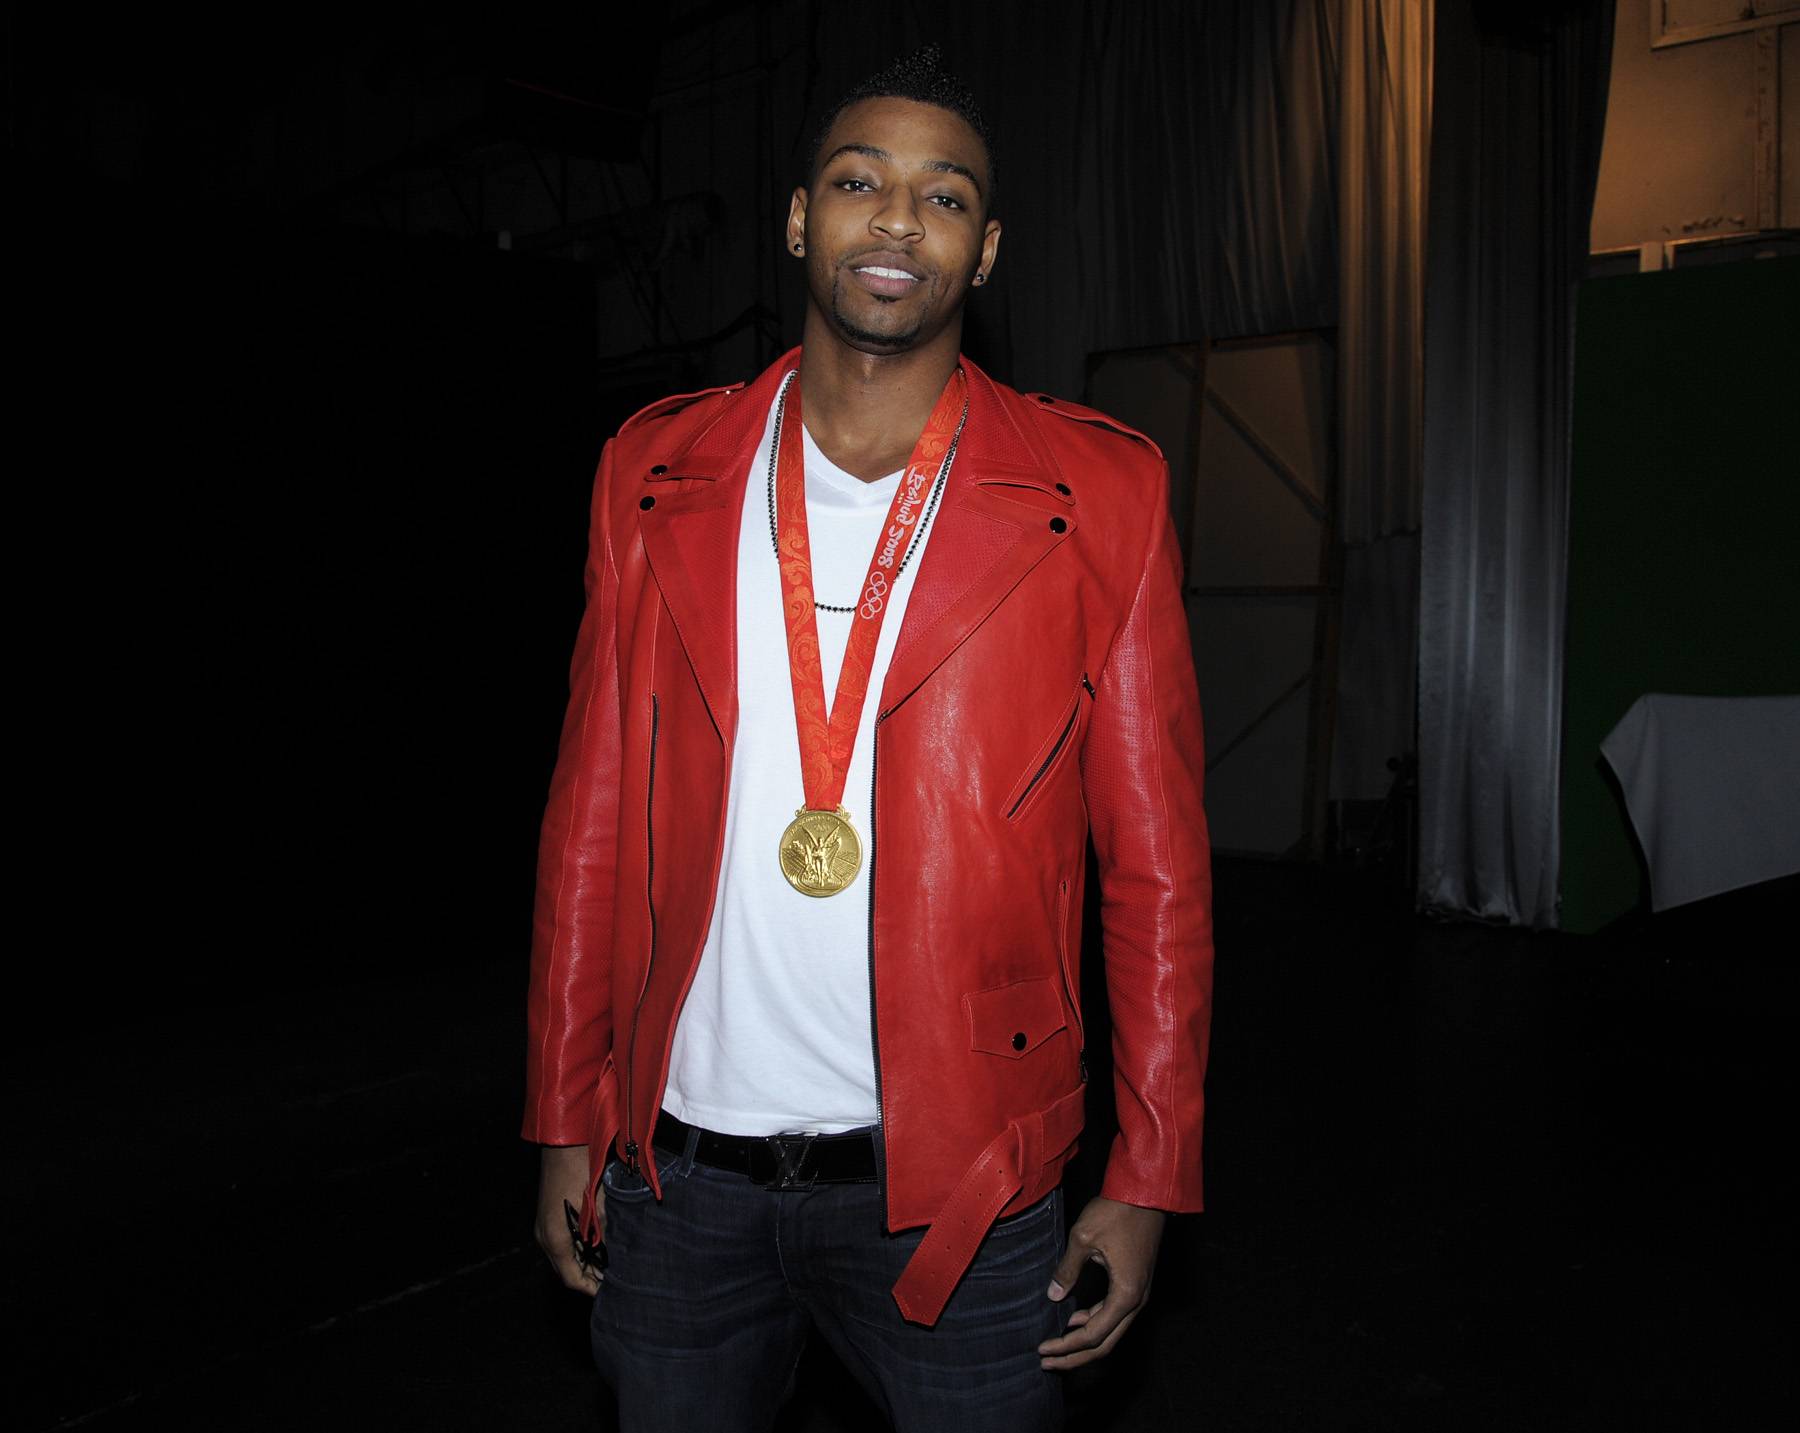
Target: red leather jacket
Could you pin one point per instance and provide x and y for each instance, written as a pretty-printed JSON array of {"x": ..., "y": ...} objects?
[{"x": 1042, "y": 687}]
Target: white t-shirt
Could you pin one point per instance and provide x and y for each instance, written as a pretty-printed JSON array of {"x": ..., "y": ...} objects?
[{"x": 776, "y": 1034}]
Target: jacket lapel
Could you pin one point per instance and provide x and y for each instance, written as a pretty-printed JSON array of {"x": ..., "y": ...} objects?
[
  {"x": 690, "y": 535},
  {"x": 993, "y": 526}
]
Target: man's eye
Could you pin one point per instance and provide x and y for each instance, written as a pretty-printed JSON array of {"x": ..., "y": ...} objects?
[
  {"x": 946, "y": 201},
  {"x": 849, "y": 183}
]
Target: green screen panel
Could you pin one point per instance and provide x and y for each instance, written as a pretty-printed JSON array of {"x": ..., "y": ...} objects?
[{"x": 1684, "y": 532}]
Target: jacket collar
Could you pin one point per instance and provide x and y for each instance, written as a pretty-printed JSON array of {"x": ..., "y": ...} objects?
[{"x": 993, "y": 525}]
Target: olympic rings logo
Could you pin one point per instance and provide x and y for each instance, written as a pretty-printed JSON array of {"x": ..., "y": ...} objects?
[{"x": 874, "y": 596}]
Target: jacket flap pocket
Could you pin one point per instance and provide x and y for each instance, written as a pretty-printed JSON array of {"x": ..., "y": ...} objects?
[{"x": 1013, "y": 1020}]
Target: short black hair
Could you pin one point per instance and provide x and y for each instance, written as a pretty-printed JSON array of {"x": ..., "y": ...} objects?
[{"x": 920, "y": 76}]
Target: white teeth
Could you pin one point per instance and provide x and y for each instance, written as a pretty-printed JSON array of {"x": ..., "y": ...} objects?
[{"x": 885, "y": 273}]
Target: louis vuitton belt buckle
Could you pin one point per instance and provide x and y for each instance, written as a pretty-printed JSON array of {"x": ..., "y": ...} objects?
[{"x": 784, "y": 1162}]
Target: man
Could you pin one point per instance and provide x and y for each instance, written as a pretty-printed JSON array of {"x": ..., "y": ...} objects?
[{"x": 805, "y": 1046}]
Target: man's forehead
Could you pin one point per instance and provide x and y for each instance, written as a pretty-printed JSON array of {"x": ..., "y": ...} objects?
[{"x": 889, "y": 127}]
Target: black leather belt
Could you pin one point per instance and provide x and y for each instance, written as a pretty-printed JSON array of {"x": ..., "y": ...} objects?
[{"x": 777, "y": 1161}]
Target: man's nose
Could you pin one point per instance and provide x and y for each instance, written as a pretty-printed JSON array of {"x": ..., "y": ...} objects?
[{"x": 898, "y": 218}]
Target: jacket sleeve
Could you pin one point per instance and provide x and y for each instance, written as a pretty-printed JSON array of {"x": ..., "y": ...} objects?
[
  {"x": 1142, "y": 771},
  {"x": 569, "y": 1007}
]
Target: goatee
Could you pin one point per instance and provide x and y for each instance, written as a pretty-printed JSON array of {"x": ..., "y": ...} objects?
[{"x": 855, "y": 333}]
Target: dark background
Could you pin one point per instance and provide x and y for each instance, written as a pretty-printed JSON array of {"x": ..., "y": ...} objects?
[{"x": 300, "y": 505}]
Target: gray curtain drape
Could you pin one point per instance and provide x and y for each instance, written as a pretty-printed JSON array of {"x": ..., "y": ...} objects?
[
  {"x": 1206, "y": 200},
  {"x": 1515, "y": 154},
  {"x": 1383, "y": 157}
]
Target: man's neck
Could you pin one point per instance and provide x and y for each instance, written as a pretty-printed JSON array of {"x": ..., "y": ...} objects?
[{"x": 866, "y": 411}]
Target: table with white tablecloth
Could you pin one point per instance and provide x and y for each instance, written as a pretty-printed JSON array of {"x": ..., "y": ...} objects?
[{"x": 1712, "y": 785}]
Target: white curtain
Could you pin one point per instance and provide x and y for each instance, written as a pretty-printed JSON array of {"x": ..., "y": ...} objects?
[{"x": 1515, "y": 153}]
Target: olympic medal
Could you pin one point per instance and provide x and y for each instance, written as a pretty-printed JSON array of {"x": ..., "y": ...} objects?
[{"x": 820, "y": 852}]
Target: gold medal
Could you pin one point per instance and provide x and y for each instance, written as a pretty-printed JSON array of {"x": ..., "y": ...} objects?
[{"x": 820, "y": 852}]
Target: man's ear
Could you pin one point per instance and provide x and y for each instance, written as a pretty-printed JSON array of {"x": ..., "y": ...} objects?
[
  {"x": 990, "y": 246},
  {"x": 796, "y": 223}
]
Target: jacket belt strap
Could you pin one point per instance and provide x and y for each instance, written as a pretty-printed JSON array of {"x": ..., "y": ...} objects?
[
  {"x": 602, "y": 1133},
  {"x": 998, "y": 1173}
]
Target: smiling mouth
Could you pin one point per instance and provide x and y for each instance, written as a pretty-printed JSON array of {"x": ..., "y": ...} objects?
[{"x": 885, "y": 281}]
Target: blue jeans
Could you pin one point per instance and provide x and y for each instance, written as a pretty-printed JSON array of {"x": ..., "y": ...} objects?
[{"x": 709, "y": 1297}]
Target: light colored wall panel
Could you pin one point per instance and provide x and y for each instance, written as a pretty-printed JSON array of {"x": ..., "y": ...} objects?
[
  {"x": 1251, "y": 528},
  {"x": 1679, "y": 156},
  {"x": 1283, "y": 387}
]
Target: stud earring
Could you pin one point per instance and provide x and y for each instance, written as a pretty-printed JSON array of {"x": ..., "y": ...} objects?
[
  {"x": 797, "y": 246},
  {"x": 981, "y": 278}
]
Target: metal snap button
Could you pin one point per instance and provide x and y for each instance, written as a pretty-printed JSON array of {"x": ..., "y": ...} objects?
[
  {"x": 1019, "y": 1041},
  {"x": 658, "y": 469},
  {"x": 1058, "y": 525},
  {"x": 1045, "y": 398},
  {"x": 646, "y": 503},
  {"x": 1064, "y": 489}
]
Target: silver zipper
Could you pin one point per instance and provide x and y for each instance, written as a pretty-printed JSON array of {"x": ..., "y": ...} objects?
[
  {"x": 631, "y": 1147},
  {"x": 1069, "y": 991},
  {"x": 874, "y": 1024},
  {"x": 1038, "y": 776}
]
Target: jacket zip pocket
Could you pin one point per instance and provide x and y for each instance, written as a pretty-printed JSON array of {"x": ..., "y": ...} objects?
[
  {"x": 1049, "y": 761},
  {"x": 1068, "y": 976},
  {"x": 631, "y": 1147}
]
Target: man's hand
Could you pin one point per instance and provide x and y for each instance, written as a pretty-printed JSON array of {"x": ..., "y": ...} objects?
[
  {"x": 1123, "y": 1240},
  {"x": 562, "y": 1178}
]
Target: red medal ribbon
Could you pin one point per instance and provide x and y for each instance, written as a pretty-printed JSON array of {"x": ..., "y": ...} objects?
[{"x": 826, "y": 741}]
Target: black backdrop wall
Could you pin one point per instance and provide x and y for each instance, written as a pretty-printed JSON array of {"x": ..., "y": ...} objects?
[
  {"x": 306, "y": 573},
  {"x": 418, "y": 516}
]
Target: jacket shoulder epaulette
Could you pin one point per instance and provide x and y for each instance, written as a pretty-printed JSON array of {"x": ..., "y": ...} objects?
[
  {"x": 674, "y": 403},
  {"x": 1077, "y": 413}
]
